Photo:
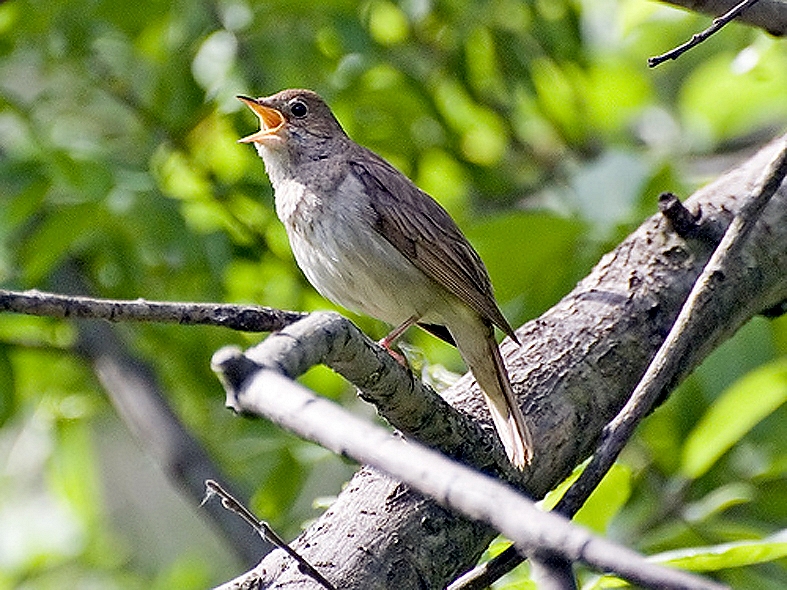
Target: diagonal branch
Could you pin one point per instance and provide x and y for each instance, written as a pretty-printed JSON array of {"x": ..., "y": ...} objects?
[
  {"x": 409, "y": 405},
  {"x": 662, "y": 369},
  {"x": 574, "y": 371},
  {"x": 137, "y": 396},
  {"x": 716, "y": 26},
  {"x": 576, "y": 368},
  {"x": 256, "y": 389},
  {"x": 684, "y": 333}
]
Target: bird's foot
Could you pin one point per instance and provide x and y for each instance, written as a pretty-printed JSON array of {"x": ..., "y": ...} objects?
[{"x": 398, "y": 357}]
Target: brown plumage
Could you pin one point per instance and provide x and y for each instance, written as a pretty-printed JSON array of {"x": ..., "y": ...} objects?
[{"x": 368, "y": 239}]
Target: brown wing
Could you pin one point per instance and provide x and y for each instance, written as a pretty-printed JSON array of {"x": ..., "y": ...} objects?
[{"x": 423, "y": 231}]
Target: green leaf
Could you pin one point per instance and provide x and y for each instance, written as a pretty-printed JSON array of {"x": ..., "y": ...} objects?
[
  {"x": 61, "y": 233},
  {"x": 74, "y": 470},
  {"x": 606, "y": 500},
  {"x": 616, "y": 91},
  {"x": 387, "y": 23},
  {"x": 756, "y": 77},
  {"x": 735, "y": 413},
  {"x": 524, "y": 253},
  {"x": 7, "y": 386},
  {"x": 716, "y": 557},
  {"x": 484, "y": 135},
  {"x": 709, "y": 559}
]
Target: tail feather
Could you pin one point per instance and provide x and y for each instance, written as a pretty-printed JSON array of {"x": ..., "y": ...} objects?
[
  {"x": 483, "y": 357},
  {"x": 507, "y": 416}
]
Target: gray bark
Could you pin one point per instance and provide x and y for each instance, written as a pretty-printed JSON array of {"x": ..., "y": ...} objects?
[{"x": 575, "y": 369}]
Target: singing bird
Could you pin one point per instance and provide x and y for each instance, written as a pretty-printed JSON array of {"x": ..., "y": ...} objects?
[{"x": 371, "y": 241}]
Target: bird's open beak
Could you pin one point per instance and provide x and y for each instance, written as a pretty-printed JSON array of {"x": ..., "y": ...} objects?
[{"x": 271, "y": 120}]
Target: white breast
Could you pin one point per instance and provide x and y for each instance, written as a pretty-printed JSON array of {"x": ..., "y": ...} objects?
[{"x": 347, "y": 261}]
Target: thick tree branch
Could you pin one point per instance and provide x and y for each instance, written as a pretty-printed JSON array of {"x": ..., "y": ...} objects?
[
  {"x": 575, "y": 369},
  {"x": 667, "y": 363},
  {"x": 261, "y": 391},
  {"x": 770, "y": 15},
  {"x": 685, "y": 332},
  {"x": 408, "y": 404}
]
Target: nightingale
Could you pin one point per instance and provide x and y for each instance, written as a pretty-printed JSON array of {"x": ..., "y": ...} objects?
[{"x": 371, "y": 241}]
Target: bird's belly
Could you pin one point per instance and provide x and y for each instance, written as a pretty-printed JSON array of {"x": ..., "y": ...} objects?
[
  {"x": 364, "y": 273},
  {"x": 351, "y": 264}
]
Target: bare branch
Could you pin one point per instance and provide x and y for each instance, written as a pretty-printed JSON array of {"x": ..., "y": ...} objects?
[
  {"x": 577, "y": 366},
  {"x": 409, "y": 405},
  {"x": 137, "y": 396},
  {"x": 716, "y": 26},
  {"x": 683, "y": 334},
  {"x": 267, "y": 393},
  {"x": 134, "y": 390},
  {"x": 247, "y": 318},
  {"x": 263, "y": 529}
]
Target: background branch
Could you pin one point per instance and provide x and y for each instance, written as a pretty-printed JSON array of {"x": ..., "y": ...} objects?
[
  {"x": 134, "y": 391},
  {"x": 247, "y": 318}
]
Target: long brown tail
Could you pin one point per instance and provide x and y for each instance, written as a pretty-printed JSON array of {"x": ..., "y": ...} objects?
[{"x": 479, "y": 349}]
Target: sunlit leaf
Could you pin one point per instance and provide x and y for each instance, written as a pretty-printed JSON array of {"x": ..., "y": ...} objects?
[
  {"x": 742, "y": 553},
  {"x": 757, "y": 79},
  {"x": 736, "y": 412},
  {"x": 709, "y": 559},
  {"x": 387, "y": 23},
  {"x": 606, "y": 500}
]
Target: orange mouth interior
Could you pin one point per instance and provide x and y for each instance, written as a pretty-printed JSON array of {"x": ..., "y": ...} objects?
[{"x": 271, "y": 120}]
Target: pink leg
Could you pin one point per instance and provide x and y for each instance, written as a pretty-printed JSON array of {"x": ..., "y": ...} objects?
[{"x": 394, "y": 335}]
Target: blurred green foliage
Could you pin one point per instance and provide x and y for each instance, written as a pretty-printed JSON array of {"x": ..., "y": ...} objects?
[{"x": 537, "y": 124}]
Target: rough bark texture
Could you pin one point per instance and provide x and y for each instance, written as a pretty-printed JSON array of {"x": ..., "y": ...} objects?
[{"x": 576, "y": 367}]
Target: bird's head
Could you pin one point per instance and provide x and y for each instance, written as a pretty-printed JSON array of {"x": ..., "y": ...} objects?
[{"x": 295, "y": 121}]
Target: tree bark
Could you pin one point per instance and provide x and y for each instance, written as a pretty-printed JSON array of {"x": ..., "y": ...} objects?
[{"x": 576, "y": 367}]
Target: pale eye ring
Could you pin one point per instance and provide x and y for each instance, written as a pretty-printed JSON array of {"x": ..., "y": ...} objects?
[{"x": 299, "y": 109}]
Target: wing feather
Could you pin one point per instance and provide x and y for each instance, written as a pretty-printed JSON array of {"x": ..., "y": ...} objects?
[{"x": 416, "y": 225}]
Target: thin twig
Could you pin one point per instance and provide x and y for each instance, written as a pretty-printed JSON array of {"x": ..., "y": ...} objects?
[
  {"x": 698, "y": 38},
  {"x": 247, "y": 318},
  {"x": 212, "y": 488}
]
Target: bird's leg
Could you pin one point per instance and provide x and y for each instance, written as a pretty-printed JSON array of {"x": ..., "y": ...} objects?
[{"x": 393, "y": 335}]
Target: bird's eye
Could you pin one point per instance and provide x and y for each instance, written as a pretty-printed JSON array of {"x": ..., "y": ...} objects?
[{"x": 299, "y": 109}]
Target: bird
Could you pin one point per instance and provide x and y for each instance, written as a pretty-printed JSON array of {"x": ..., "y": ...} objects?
[{"x": 368, "y": 239}]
